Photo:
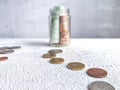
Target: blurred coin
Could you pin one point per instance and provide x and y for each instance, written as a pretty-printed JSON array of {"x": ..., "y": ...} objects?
[
  {"x": 57, "y": 60},
  {"x": 48, "y": 55},
  {"x": 3, "y": 58},
  {"x": 4, "y": 48},
  {"x": 76, "y": 66},
  {"x": 7, "y": 51},
  {"x": 96, "y": 72},
  {"x": 56, "y": 51},
  {"x": 100, "y": 85},
  {"x": 15, "y": 47}
]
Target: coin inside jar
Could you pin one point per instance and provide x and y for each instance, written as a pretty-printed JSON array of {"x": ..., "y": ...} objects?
[
  {"x": 3, "y": 58},
  {"x": 75, "y": 66},
  {"x": 100, "y": 85},
  {"x": 48, "y": 55},
  {"x": 96, "y": 72},
  {"x": 55, "y": 51},
  {"x": 6, "y": 51},
  {"x": 57, "y": 60}
]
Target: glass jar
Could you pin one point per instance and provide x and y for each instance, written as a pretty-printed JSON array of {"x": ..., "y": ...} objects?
[{"x": 59, "y": 24}]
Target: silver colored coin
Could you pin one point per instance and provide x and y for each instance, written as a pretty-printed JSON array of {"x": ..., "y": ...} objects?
[
  {"x": 7, "y": 51},
  {"x": 4, "y": 48},
  {"x": 15, "y": 47},
  {"x": 55, "y": 51},
  {"x": 100, "y": 85}
]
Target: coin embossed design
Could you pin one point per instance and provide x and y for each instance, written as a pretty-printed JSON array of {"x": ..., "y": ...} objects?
[
  {"x": 76, "y": 66},
  {"x": 48, "y": 55},
  {"x": 56, "y": 61},
  {"x": 100, "y": 85},
  {"x": 3, "y": 58},
  {"x": 55, "y": 51},
  {"x": 96, "y": 72}
]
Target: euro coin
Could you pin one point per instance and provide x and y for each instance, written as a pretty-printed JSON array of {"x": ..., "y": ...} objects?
[
  {"x": 100, "y": 85},
  {"x": 96, "y": 72},
  {"x": 75, "y": 66},
  {"x": 57, "y": 60}
]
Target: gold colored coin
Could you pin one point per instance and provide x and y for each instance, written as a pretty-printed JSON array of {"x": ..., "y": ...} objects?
[
  {"x": 75, "y": 66},
  {"x": 57, "y": 60},
  {"x": 48, "y": 55}
]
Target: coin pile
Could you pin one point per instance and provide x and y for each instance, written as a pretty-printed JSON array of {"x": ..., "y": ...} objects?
[
  {"x": 7, "y": 50},
  {"x": 52, "y": 55}
]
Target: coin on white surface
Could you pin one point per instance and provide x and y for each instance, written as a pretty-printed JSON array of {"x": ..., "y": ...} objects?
[
  {"x": 15, "y": 47},
  {"x": 76, "y": 66},
  {"x": 6, "y": 51},
  {"x": 48, "y": 55},
  {"x": 100, "y": 85},
  {"x": 57, "y": 60},
  {"x": 56, "y": 51}
]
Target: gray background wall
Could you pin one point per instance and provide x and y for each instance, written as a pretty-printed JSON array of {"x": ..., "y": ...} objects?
[{"x": 29, "y": 18}]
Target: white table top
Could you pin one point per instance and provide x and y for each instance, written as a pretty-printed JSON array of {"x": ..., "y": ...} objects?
[{"x": 27, "y": 70}]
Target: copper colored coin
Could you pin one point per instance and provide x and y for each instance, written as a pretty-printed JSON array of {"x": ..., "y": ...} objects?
[
  {"x": 48, "y": 55},
  {"x": 55, "y": 51},
  {"x": 76, "y": 66},
  {"x": 57, "y": 60},
  {"x": 96, "y": 72},
  {"x": 3, "y": 58}
]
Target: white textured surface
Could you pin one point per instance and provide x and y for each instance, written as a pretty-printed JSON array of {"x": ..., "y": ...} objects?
[
  {"x": 89, "y": 18},
  {"x": 26, "y": 70}
]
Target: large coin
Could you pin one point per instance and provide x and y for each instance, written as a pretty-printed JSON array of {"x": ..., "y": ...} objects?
[
  {"x": 15, "y": 47},
  {"x": 56, "y": 51},
  {"x": 3, "y": 58},
  {"x": 76, "y": 66},
  {"x": 100, "y": 85},
  {"x": 48, "y": 55},
  {"x": 97, "y": 72},
  {"x": 57, "y": 60},
  {"x": 7, "y": 51}
]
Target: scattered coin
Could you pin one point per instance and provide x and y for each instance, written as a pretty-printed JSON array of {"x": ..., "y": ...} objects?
[
  {"x": 56, "y": 51},
  {"x": 100, "y": 85},
  {"x": 48, "y": 55},
  {"x": 3, "y": 58},
  {"x": 7, "y": 51},
  {"x": 4, "y": 48},
  {"x": 96, "y": 72},
  {"x": 57, "y": 60},
  {"x": 76, "y": 66},
  {"x": 15, "y": 47}
]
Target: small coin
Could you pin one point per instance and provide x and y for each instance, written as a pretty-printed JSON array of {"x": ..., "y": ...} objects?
[
  {"x": 100, "y": 85},
  {"x": 48, "y": 55},
  {"x": 7, "y": 51},
  {"x": 15, "y": 47},
  {"x": 56, "y": 51},
  {"x": 76, "y": 66},
  {"x": 3, "y": 58},
  {"x": 57, "y": 60},
  {"x": 4, "y": 48},
  {"x": 96, "y": 72}
]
